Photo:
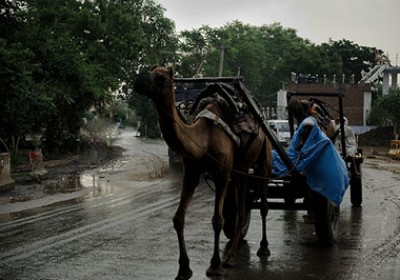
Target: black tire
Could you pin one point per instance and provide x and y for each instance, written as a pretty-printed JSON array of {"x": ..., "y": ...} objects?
[
  {"x": 356, "y": 187},
  {"x": 230, "y": 214},
  {"x": 326, "y": 219}
]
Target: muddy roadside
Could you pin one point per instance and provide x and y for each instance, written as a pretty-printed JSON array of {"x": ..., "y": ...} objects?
[
  {"x": 378, "y": 158},
  {"x": 59, "y": 171},
  {"x": 144, "y": 158}
]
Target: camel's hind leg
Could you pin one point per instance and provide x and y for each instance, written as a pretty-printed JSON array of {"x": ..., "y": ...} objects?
[
  {"x": 215, "y": 268},
  {"x": 263, "y": 251},
  {"x": 264, "y": 170},
  {"x": 190, "y": 181},
  {"x": 240, "y": 183}
]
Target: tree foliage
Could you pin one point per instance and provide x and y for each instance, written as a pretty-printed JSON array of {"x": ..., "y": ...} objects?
[
  {"x": 386, "y": 110},
  {"x": 61, "y": 58},
  {"x": 353, "y": 58},
  {"x": 267, "y": 55},
  {"x": 58, "y": 59},
  {"x": 159, "y": 48}
]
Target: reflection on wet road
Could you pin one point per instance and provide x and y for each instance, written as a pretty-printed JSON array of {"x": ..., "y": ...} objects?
[{"x": 128, "y": 234}]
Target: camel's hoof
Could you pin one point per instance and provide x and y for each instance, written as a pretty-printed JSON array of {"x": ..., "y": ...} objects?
[
  {"x": 263, "y": 251},
  {"x": 231, "y": 261},
  {"x": 184, "y": 274},
  {"x": 215, "y": 271}
]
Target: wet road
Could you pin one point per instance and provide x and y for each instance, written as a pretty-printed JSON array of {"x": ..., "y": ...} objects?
[{"x": 127, "y": 233}]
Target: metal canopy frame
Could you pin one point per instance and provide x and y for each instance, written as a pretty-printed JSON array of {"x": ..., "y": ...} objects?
[{"x": 339, "y": 95}]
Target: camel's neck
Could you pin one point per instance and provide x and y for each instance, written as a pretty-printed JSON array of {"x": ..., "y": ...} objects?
[{"x": 188, "y": 140}]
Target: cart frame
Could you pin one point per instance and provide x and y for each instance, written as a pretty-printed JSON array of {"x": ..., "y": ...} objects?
[{"x": 293, "y": 186}]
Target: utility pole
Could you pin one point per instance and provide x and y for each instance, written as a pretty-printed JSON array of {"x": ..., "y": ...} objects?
[{"x": 221, "y": 61}]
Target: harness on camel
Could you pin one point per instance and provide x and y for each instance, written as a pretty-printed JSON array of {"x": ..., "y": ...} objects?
[{"x": 233, "y": 115}]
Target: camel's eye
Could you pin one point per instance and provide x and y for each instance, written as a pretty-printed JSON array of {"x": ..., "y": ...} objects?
[{"x": 159, "y": 80}]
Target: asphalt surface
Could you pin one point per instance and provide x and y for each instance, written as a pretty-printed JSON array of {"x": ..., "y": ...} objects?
[
  {"x": 118, "y": 225},
  {"x": 123, "y": 230}
]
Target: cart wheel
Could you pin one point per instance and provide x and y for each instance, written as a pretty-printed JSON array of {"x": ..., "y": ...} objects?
[
  {"x": 326, "y": 219},
  {"x": 356, "y": 186},
  {"x": 230, "y": 213}
]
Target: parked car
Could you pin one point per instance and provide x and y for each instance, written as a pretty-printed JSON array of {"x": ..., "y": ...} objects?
[{"x": 282, "y": 130}]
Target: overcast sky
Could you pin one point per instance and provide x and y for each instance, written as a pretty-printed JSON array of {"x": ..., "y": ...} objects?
[{"x": 371, "y": 23}]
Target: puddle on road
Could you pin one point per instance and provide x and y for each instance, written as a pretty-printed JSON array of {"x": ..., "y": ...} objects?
[
  {"x": 84, "y": 185},
  {"x": 96, "y": 184},
  {"x": 66, "y": 184}
]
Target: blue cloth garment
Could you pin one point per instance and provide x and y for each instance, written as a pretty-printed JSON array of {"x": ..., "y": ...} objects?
[{"x": 318, "y": 160}]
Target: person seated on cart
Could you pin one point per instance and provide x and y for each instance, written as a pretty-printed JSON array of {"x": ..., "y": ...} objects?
[
  {"x": 349, "y": 138},
  {"x": 315, "y": 157},
  {"x": 302, "y": 109},
  {"x": 350, "y": 144}
]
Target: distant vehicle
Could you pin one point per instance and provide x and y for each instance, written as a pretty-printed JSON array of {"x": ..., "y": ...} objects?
[{"x": 282, "y": 130}]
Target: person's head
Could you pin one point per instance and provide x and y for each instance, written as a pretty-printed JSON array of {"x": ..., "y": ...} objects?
[
  {"x": 346, "y": 121},
  {"x": 299, "y": 109}
]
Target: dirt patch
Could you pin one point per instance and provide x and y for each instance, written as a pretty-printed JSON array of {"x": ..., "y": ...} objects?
[
  {"x": 92, "y": 157},
  {"x": 379, "y": 137},
  {"x": 376, "y": 142}
]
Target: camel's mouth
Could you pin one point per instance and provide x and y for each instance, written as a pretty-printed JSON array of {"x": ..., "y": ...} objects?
[
  {"x": 142, "y": 83},
  {"x": 154, "y": 84}
]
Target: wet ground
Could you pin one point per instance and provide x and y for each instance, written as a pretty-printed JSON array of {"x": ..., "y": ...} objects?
[
  {"x": 122, "y": 229},
  {"x": 77, "y": 176}
]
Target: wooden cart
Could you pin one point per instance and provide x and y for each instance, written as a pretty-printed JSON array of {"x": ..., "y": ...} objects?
[{"x": 290, "y": 192}]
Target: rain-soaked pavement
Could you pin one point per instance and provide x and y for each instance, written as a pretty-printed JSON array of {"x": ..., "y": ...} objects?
[{"x": 122, "y": 229}]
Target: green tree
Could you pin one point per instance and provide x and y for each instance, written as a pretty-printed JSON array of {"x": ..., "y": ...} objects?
[
  {"x": 60, "y": 58},
  {"x": 386, "y": 110},
  {"x": 284, "y": 52},
  {"x": 267, "y": 55},
  {"x": 160, "y": 40},
  {"x": 23, "y": 105},
  {"x": 194, "y": 47},
  {"x": 353, "y": 58},
  {"x": 160, "y": 48}
]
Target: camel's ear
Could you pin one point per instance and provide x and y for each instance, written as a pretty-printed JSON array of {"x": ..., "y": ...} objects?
[{"x": 171, "y": 71}]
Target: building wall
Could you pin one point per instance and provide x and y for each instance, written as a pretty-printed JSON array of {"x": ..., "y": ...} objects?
[{"x": 354, "y": 106}]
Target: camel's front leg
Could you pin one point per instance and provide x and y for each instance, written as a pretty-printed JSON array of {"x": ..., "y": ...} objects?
[
  {"x": 215, "y": 268},
  {"x": 189, "y": 182}
]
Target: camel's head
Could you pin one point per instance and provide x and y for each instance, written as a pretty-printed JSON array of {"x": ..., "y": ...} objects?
[
  {"x": 299, "y": 109},
  {"x": 156, "y": 84}
]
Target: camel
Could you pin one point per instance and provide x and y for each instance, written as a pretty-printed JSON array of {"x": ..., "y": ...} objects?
[
  {"x": 206, "y": 147},
  {"x": 302, "y": 109}
]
